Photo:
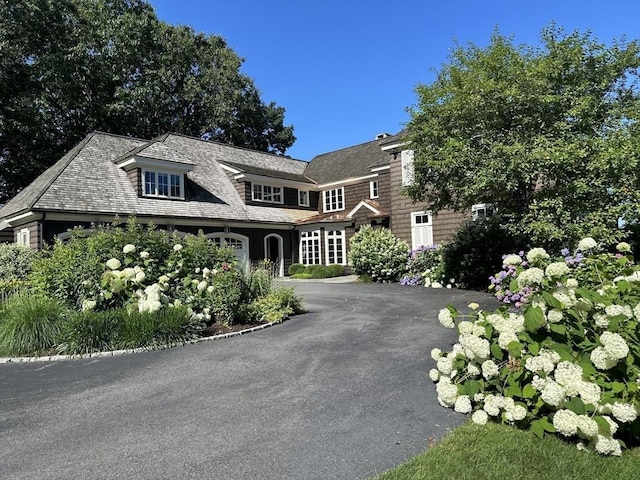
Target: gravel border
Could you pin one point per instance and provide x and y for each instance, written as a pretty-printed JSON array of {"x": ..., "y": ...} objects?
[{"x": 113, "y": 353}]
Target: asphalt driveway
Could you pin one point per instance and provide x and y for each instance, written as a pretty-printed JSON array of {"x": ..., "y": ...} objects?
[{"x": 341, "y": 392}]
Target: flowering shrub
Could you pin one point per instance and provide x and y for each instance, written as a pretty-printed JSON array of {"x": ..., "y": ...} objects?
[
  {"x": 476, "y": 249},
  {"x": 378, "y": 253},
  {"x": 566, "y": 360},
  {"x": 425, "y": 267}
]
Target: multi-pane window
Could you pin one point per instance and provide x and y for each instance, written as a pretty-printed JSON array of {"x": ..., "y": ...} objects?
[
  {"x": 310, "y": 253},
  {"x": 303, "y": 198},
  {"x": 333, "y": 199},
  {"x": 162, "y": 184},
  {"x": 335, "y": 241},
  {"x": 24, "y": 237},
  {"x": 176, "y": 189},
  {"x": 266, "y": 193},
  {"x": 374, "y": 189},
  {"x": 406, "y": 160},
  {"x": 149, "y": 183},
  {"x": 480, "y": 210}
]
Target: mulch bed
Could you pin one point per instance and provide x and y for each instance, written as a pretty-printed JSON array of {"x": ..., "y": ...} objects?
[{"x": 219, "y": 328}]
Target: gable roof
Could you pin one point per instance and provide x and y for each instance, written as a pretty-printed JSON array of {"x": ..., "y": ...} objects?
[{"x": 347, "y": 163}]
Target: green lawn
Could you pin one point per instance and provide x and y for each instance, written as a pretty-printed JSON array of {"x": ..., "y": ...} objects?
[{"x": 498, "y": 452}]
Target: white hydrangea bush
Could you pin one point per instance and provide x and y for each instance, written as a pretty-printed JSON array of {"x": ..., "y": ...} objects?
[
  {"x": 207, "y": 292},
  {"x": 565, "y": 360}
]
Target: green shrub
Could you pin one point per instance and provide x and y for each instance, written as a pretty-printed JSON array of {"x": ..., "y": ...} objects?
[
  {"x": 15, "y": 261},
  {"x": 565, "y": 360},
  {"x": 378, "y": 253},
  {"x": 164, "y": 328},
  {"x": 257, "y": 283},
  {"x": 296, "y": 268},
  {"x": 277, "y": 305},
  {"x": 88, "y": 332},
  {"x": 318, "y": 271},
  {"x": 476, "y": 250},
  {"x": 335, "y": 270},
  {"x": 29, "y": 324},
  {"x": 303, "y": 276}
]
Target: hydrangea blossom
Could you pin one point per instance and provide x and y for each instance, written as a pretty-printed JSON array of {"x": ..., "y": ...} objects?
[
  {"x": 587, "y": 426},
  {"x": 144, "y": 255},
  {"x": 463, "y": 404},
  {"x": 556, "y": 270},
  {"x": 512, "y": 259},
  {"x": 624, "y": 412},
  {"x": 536, "y": 255},
  {"x": 616, "y": 310},
  {"x": 447, "y": 392},
  {"x": 128, "y": 248},
  {"x": 445, "y": 318},
  {"x": 587, "y": 244},
  {"x": 608, "y": 446},
  {"x": 113, "y": 264},
  {"x": 614, "y": 345},
  {"x": 601, "y": 360},
  {"x": 565, "y": 422},
  {"x": 480, "y": 417},
  {"x": 489, "y": 369},
  {"x": 532, "y": 276}
]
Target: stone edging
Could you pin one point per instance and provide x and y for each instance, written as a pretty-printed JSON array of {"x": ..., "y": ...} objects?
[{"x": 113, "y": 353}]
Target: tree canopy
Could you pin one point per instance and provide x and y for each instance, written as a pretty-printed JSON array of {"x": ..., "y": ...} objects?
[
  {"x": 68, "y": 67},
  {"x": 549, "y": 134}
]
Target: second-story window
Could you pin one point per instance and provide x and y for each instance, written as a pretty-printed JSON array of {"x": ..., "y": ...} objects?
[
  {"x": 162, "y": 184},
  {"x": 481, "y": 210},
  {"x": 374, "y": 189},
  {"x": 333, "y": 199},
  {"x": 266, "y": 193},
  {"x": 406, "y": 162},
  {"x": 303, "y": 198}
]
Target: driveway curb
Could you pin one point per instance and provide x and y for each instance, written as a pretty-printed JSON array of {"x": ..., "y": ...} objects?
[{"x": 114, "y": 353}]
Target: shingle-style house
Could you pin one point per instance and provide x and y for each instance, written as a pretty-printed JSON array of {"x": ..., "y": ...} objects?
[{"x": 266, "y": 206}]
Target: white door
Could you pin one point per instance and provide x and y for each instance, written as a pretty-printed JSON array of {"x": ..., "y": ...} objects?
[{"x": 421, "y": 229}]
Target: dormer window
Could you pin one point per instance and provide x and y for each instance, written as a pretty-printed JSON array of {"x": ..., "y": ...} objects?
[
  {"x": 266, "y": 193},
  {"x": 163, "y": 184}
]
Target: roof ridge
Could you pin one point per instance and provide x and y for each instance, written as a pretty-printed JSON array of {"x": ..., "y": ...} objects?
[
  {"x": 215, "y": 142},
  {"x": 350, "y": 147}
]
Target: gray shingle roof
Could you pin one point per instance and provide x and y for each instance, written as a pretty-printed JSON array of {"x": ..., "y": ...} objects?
[
  {"x": 296, "y": 177},
  {"x": 87, "y": 180},
  {"x": 156, "y": 149},
  {"x": 350, "y": 162}
]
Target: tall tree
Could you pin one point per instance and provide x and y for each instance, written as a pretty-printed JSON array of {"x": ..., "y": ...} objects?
[
  {"x": 550, "y": 135},
  {"x": 68, "y": 67}
]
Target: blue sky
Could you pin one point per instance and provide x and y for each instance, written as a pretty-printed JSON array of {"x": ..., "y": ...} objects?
[{"x": 345, "y": 70}]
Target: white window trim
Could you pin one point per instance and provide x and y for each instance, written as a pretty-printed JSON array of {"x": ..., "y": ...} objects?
[
  {"x": 315, "y": 234},
  {"x": 374, "y": 189},
  {"x": 300, "y": 202},
  {"x": 481, "y": 206},
  {"x": 24, "y": 237},
  {"x": 341, "y": 235},
  {"x": 415, "y": 224},
  {"x": 168, "y": 174},
  {"x": 406, "y": 162},
  {"x": 326, "y": 196},
  {"x": 414, "y": 215},
  {"x": 262, "y": 186}
]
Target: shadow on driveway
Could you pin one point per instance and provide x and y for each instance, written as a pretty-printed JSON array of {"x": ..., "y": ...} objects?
[{"x": 341, "y": 392}]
